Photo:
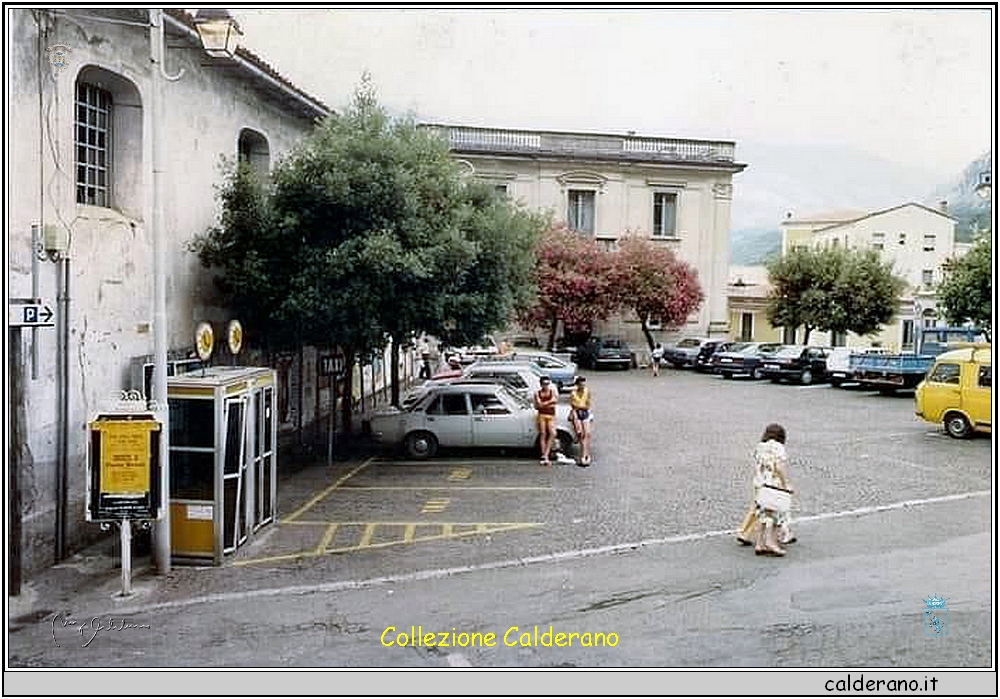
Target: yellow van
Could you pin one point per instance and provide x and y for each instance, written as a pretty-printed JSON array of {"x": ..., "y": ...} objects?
[{"x": 957, "y": 391}]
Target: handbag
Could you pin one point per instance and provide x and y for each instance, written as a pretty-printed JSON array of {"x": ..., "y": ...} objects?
[{"x": 771, "y": 497}]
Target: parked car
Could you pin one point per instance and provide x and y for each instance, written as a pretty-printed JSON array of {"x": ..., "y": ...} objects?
[
  {"x": 562, "y": 372},
  {"x": 802, "y": 363},
  {"x": 703, "y": 360},
  {"x": 466, "y": 415},
  {"x": 958, "y": 391},
  {"x": 523, "y": 377},
  {"x": 600, "y": 352},
  {"x": 747, "y": 361},
  {"x": 839, "y": 367},
  {"x": 685, "y": 352},
  {"x": 470, "y": 353}
]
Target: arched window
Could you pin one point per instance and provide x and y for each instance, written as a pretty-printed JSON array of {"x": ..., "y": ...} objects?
[
  {"x": 253, "y": 150},
  {"x": 108, "y": 141}
]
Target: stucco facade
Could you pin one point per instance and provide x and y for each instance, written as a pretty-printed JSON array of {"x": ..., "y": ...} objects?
[
  {"x": 92, "y": 114},
  {"x": 916, "y": 239},
  {"x": 676, "y": 191}
]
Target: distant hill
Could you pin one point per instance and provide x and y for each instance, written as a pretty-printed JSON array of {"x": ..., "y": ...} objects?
[
  {"x": 754, "y": 246},
  {"x": 972, "y": 211}
]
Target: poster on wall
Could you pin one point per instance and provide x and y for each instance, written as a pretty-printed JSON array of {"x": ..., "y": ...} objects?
[{"x": 124, "y": 469}]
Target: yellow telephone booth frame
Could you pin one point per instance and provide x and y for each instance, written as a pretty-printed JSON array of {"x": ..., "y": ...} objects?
[{"x": 223, "y": 460}]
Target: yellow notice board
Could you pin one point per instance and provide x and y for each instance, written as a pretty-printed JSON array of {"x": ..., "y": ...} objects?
[
  {"x": 124, "y": 467},
  {"x": 125, "y": 457}
]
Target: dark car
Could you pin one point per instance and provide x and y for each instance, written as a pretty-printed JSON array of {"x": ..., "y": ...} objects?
[
  {"x": 600, "y": 352},
  {"x": 745, "y": 361},
  {"x": 703, "y": 360},
  {"x": 801, "y": 363}
]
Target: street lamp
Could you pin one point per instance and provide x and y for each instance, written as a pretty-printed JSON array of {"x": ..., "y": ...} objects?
[
  {"x": 985, "y": 187},
  {"x": 219, "y": 32}
]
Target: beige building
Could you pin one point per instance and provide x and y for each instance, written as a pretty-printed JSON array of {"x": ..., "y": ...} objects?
[
  {"x": 676, "y": 191},
  {"x": 80, "y": 87},
  {"x": 918, "y": 240}
]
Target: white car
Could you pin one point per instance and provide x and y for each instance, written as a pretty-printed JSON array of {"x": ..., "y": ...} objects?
[
  {"x": 561, "y": 371},
  {"x": 467, "y": 415},
  {"x": 523, "y": 377}
]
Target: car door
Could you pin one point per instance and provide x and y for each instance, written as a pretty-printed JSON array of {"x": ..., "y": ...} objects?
[
  {"x": 977, "y": 398},
  {"x": 496, "y": 422},
  {"x": 448, "y": 417}
]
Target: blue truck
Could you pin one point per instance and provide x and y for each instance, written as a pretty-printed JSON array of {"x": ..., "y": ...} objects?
[{"x": 892, "y": 372}]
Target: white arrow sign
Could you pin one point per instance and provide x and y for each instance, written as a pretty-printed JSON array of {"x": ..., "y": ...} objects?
[{"x": 30, "y": 314}]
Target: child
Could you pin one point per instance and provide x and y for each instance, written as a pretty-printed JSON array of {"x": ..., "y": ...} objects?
[{"x": 770, "y": 468}]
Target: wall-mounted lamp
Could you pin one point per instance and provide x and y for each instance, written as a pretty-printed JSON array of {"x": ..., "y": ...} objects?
[
  {"x": 985, "y": 186},
  {"x": 219, "y": 32}
]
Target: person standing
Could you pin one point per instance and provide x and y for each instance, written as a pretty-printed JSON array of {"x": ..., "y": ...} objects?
[
  {"x": 582, "y": 416},
  {"x": 656, "y": 358},
  {"x": 545, "y": 404},
  {"x": 770, "y": 469}
]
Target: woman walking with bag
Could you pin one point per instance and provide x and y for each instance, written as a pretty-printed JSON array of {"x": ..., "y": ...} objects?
[{"x": 772, "y": 495}]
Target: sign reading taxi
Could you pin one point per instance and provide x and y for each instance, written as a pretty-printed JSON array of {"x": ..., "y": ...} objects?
[{"x": 124, "y": 468}]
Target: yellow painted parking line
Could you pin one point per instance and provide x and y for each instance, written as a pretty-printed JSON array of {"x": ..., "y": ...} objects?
[
  {"x": 328, "y": 535},
  {"x": 460, "y": 474},
  {"x": 305, "y": 508},
  {"x": 447, "y": 532},
  {"x": 366, "y": 536},
  {"x": 437, "y": 505}
]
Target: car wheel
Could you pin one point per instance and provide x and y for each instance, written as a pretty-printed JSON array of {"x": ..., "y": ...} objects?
[
  {"x": 836, "y": 383},
  {"x": 957, "y": 425},
  {"x": 726, "y": 375},
  {"x": 756, "y": 374},
  {"x": 421, "y": 445},
  {"x": 806, "y": 377}
]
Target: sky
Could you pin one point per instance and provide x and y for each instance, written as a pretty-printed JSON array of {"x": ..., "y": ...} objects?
[{"x": 911, "y": 87}]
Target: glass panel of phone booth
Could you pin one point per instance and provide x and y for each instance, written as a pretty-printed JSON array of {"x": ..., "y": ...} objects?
[
  {"x": 234, "y": 529},
  {"x": 262, "y": 455}
]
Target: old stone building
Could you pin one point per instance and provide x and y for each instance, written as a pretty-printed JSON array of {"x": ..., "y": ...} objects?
[{"x": 84, "y": 106}]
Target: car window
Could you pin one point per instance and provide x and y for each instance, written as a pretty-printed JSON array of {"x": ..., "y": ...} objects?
[
  {"x": 986, "y": 376},
  {"x": 689, "y": 342},
  {"x": 448, "y": 404},
  {"x": 791, "y": 351},
  {"x": 945, "y": 373},
  {"x": 487, "y": 403}
]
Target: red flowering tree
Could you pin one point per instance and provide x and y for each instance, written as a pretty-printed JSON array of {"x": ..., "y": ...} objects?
[
  {"x": 654, "y": 284},
  {"x": 574, "y": 284}
]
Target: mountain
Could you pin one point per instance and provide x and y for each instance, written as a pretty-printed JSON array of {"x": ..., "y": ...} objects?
[
  {"x": 973, "y": 212},
  {"x": 754, "y": 246}
]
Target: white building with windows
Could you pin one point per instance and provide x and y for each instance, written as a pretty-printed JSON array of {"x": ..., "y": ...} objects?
[
  {"x": 81, "y": 173},
  {"x": 916, "y": 239},
  {"x": 676, "y": 191}
]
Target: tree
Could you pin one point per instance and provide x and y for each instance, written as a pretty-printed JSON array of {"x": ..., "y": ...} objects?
[
  {"x": 654, "y": 284},
  {"x": 573, "y": 283},
  {"x": 368, "y": 233},
  {"x": 966, "y": 292},
  {"x": 832, "y": 289}
]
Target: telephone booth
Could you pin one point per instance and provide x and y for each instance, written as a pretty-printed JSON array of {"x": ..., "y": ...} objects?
[{"x": 223, "y": 460}]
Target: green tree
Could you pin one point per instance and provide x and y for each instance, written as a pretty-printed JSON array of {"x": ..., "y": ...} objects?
[
  {"x": 367, "y": 233},
  {"x": 832, "y": 289},
  {"x": 654, "y": 284},
  {"x": 966, "y": 292}
]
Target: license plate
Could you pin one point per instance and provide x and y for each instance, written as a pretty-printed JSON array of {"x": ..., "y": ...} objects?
[{"x": 725, "y": 361}]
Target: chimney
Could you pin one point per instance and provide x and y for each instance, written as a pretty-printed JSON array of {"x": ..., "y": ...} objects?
[{"x": 943, "y": 206}]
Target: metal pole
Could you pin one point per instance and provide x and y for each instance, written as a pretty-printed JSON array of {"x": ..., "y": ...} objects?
[
  {"x": 14, "y": 456},
  {"x": 62, "y": 406},
  {"x": 161, "y": 538},
  {"x": 36, "y": 246},
  {"x": 126, "y": 538}
]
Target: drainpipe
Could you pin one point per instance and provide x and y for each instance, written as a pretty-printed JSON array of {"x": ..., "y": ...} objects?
[{"x": 62, "y": 402}]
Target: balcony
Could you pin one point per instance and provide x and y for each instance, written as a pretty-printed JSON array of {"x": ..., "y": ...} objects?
[{"x": 467, "y": 139}]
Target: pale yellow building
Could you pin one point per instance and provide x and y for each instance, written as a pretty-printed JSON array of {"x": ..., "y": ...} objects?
[{"x": 678, "y": 192}]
